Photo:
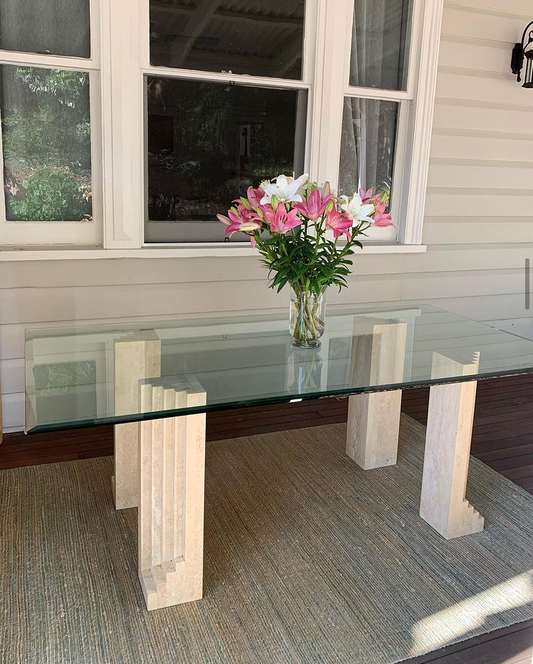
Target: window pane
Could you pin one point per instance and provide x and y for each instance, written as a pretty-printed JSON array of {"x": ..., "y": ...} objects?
[
  {"x": 260, "y": 37},
  {"x": 60, "y": 27},
  {"x": 207, "y": 143},
  {"x": 46, "y": 144},
  {"x": 368, "y": 145},
  {"x": 380, "y": 43}
]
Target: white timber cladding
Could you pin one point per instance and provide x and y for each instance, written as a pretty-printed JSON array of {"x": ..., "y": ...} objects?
[
  {"x": 478, "y": 224},
  {"x": 119, "y": 63}
]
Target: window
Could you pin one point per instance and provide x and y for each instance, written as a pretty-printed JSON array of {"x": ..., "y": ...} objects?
[
  {"x": 379, "y": 62},
  {"x": 46, "y": 137},
  {"x": 207, "y": 143},
  {"x": 136, "y": 121},
  {"x": 54, "y": 27},
  {"x": 47, "y": 117},
  {"x": 380, "y": 44},
  {"x": 253, "y": 37},
  {"x": 340, "y": 105},
  {"x": 368, "y": 146},
  {"x": 220, "y": 136}
]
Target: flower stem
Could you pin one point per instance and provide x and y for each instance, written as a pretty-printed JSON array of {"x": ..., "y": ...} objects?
[{"x": 308, "y": 325}]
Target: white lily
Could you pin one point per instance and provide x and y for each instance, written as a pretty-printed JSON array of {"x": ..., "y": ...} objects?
[
  {"x": 356, "y": 209},
  {"x": 283, "y": 188}
]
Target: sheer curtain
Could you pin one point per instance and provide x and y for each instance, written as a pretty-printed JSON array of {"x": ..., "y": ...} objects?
[
  {"x": 368, "y": 144},
  {"x": 380, "y": 43}
]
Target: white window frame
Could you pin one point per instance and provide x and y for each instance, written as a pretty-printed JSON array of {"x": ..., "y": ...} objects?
[
  {"x": 306, "y": 84},
  {"x": 63, "y": 233},
  {"x": 415, "y": 121},
  {"x": 120, "y": 58}
]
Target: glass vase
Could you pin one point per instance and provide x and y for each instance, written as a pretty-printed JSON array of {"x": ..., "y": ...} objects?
[{"x": 307, "y": 317}]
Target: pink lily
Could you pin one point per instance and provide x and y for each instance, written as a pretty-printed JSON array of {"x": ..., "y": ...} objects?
[
  {"x": 240, "y": 220},
  {"x": 366, "y": 196},
  {"x": 338, "y": 222},
  {"x": 254, "y": 197},
  {"x": 382, "y": 218},
  {"x": 282, "y": 221},
  {"x": 315, "y": 205},
  {"x": 244, "y": 213},
  {"x": 262, "y": 210}
]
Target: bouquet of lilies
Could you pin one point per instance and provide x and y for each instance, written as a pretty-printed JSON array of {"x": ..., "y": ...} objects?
[
  {"x": 306, "y": 235},
  {"x": 297, "y": 227}
]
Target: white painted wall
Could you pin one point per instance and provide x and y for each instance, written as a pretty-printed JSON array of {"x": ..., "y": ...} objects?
[{"x": 478, "y": 227}]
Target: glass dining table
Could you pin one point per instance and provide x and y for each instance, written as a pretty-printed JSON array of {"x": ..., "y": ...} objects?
[{"x": 156, "y": 380}]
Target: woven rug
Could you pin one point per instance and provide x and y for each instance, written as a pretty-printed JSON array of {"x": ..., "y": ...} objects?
[{"x": 307, "y": 559}]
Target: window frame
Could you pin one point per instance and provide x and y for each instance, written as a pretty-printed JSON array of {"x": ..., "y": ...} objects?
[
  {"x": 63, "y": 233},
  {"x": 120, "y": 64},
  {"x": 305, "y": 83},
  {"x": 404, "y": 99},
  {"x": 414, "y": 127}
]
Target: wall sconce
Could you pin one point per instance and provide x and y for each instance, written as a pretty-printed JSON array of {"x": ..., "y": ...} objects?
[{"x": 524, "y": 51}]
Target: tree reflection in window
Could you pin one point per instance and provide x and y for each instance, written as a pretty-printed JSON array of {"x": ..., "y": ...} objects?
[{"x": 46, "y": 138}]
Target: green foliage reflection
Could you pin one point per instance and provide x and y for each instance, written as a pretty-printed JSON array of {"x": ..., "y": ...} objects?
[{"x": 46, "y": 144}]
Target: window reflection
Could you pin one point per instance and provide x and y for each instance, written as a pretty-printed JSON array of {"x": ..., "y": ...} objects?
[
  {"x": 59, "y": 27},
  {"x": 46, "y": 141},
  {"x": 259, "y": 37},
  {"x": 208, "y": 142},
  {"x": 65, "y": 386}
]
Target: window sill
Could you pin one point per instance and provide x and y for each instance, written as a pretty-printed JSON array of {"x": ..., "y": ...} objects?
[{"x": 182, "y": 251}]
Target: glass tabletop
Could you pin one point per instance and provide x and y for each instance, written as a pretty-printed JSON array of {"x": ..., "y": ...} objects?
[{"x": 118, "y": 373}]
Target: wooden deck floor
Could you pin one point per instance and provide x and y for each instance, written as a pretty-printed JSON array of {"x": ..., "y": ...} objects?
[{"x": 503, "y": 438}]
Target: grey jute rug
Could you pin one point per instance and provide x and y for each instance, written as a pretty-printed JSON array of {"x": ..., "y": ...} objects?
[{"x": 307, "y": 559}]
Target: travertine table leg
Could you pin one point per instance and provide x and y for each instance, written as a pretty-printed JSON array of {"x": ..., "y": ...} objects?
[
  {"x": 449, "y": 434},
  {"x": 137, "y": 357},
  {"x": 171, "y": 496},
  {"x": 378, "y": 353}
]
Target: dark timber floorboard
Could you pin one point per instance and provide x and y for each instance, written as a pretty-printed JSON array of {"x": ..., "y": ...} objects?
[{"x": 503, "y": 439}]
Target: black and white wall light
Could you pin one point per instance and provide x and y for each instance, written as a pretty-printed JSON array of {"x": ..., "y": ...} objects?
[{"x": 523, "y": 58}]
